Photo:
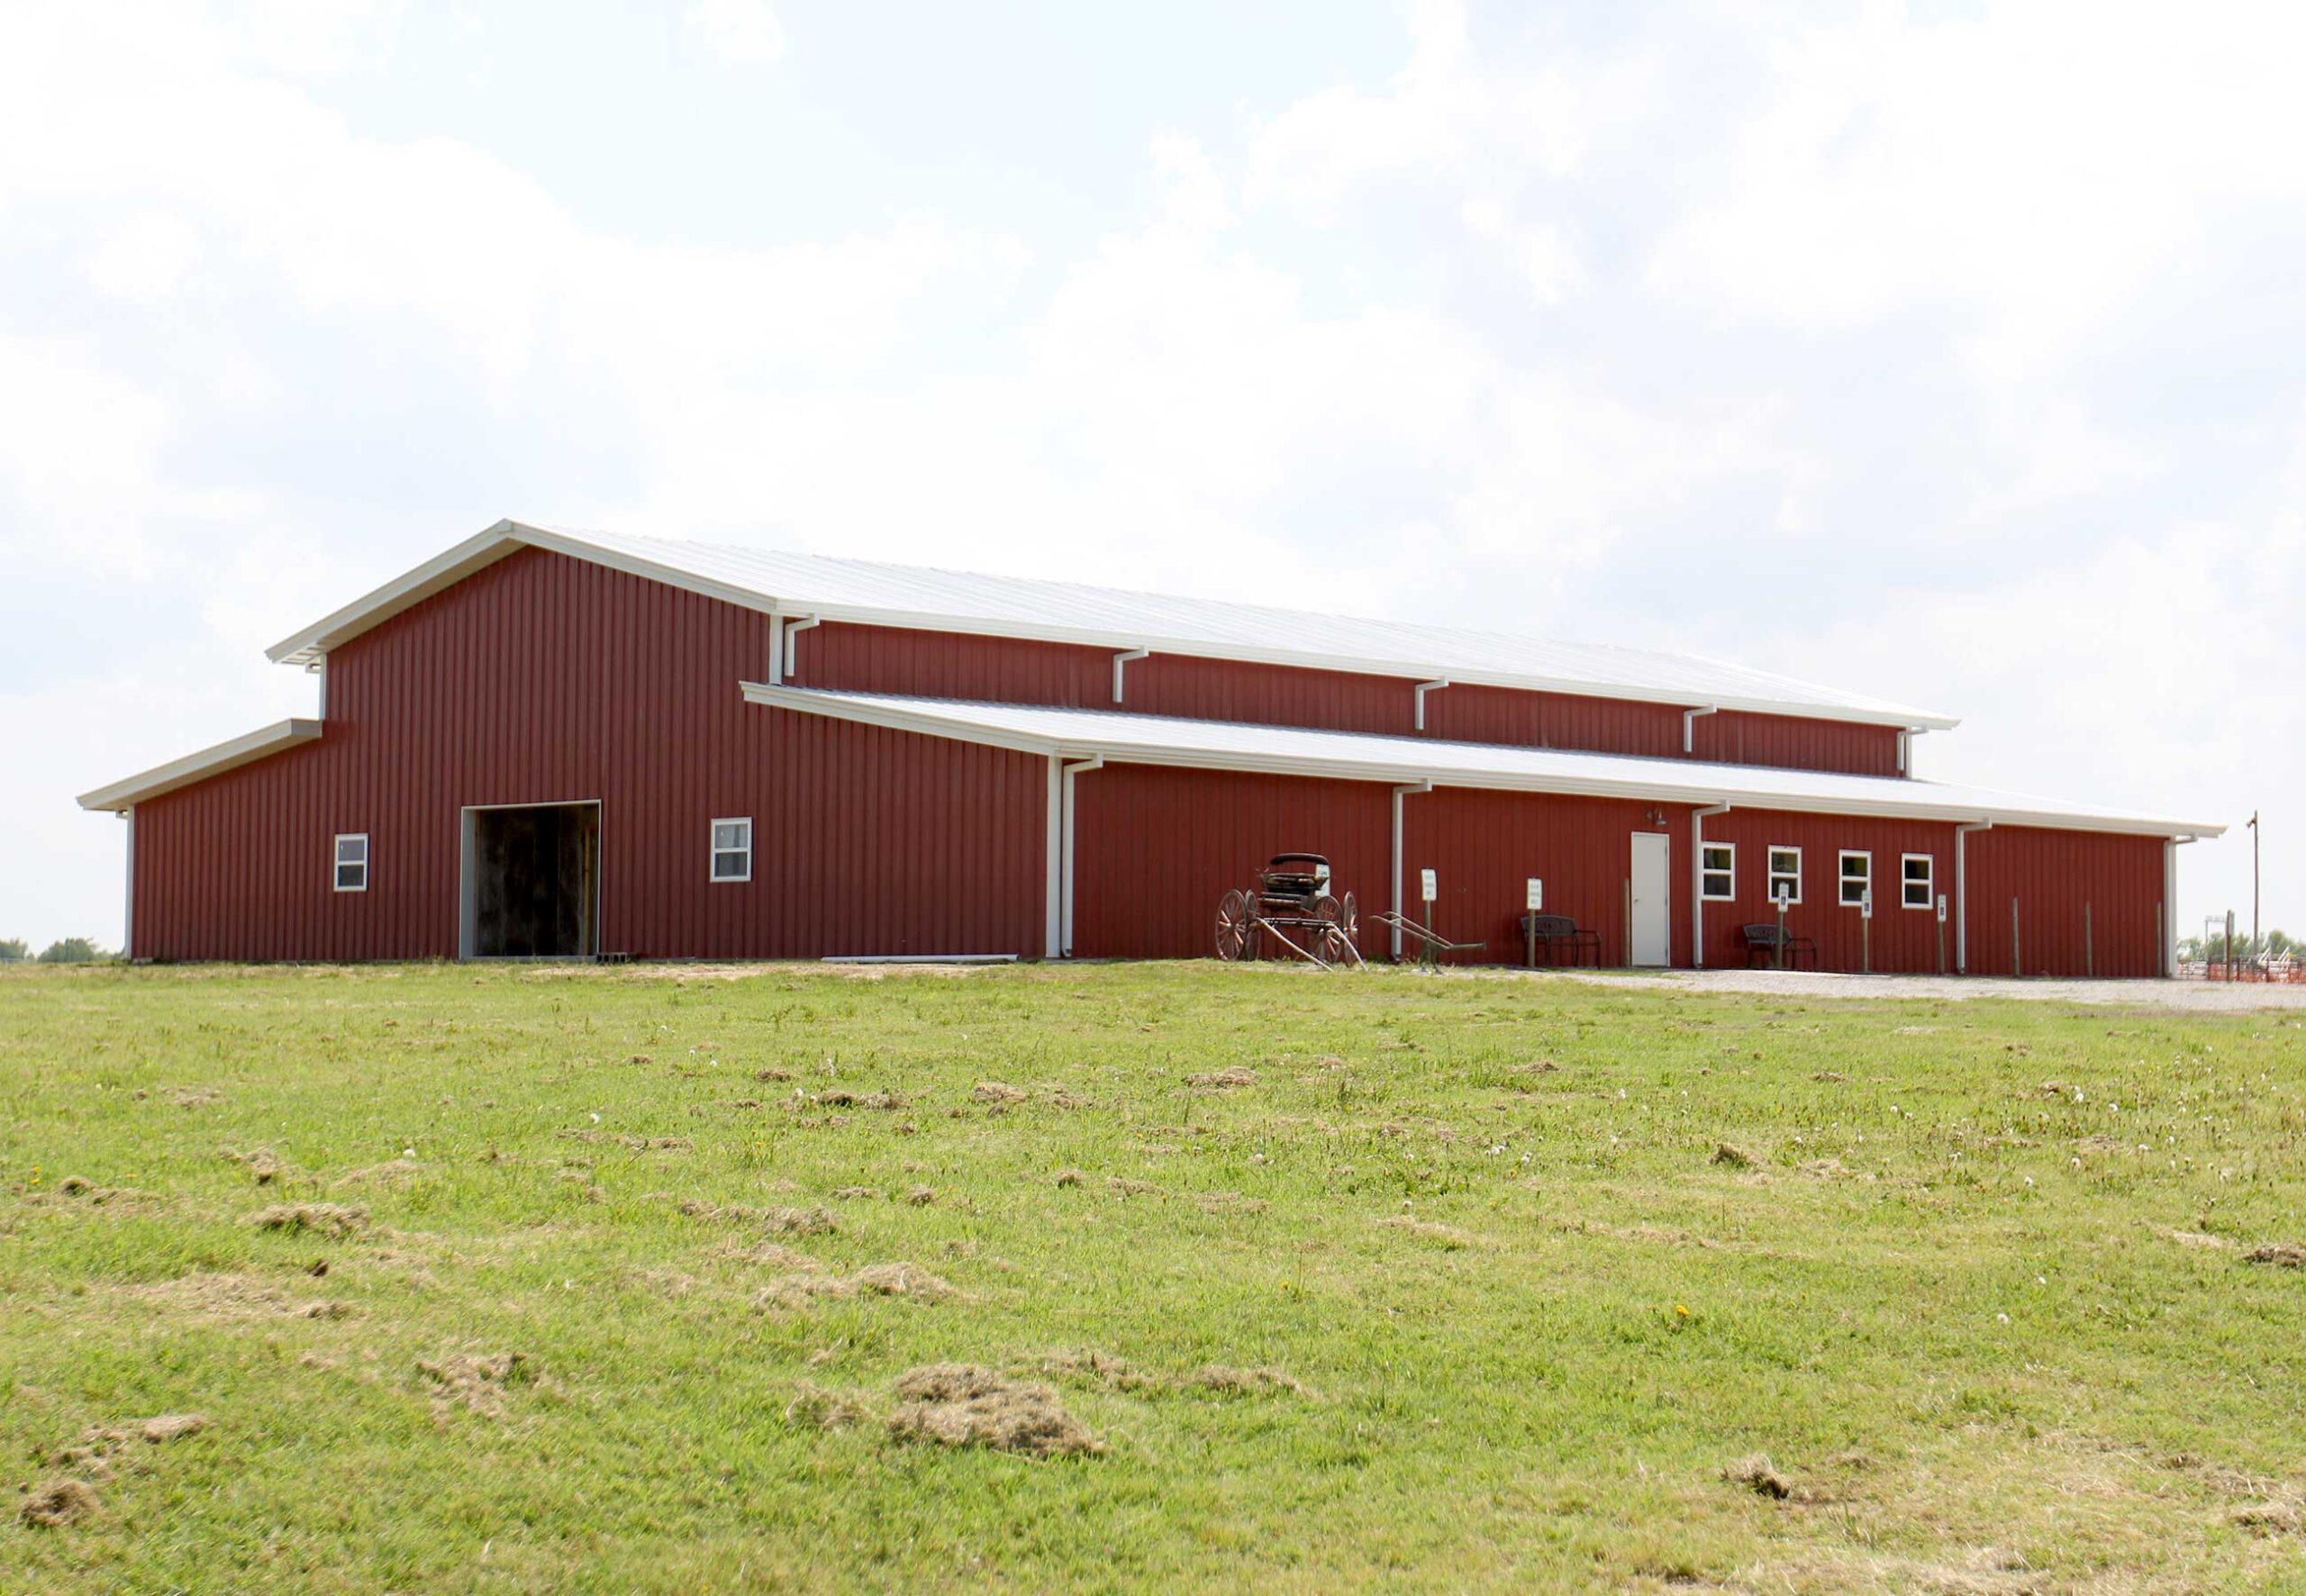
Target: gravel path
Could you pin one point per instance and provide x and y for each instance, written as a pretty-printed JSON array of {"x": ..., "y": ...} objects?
[{"x": 2205, "y": 996}]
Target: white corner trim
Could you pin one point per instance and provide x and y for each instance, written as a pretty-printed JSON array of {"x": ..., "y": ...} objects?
[{"x": 198, "y": 767}]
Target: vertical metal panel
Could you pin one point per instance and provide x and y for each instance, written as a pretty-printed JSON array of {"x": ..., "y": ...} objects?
[
  {"x": 541, "y": 679},
  {"x": 1555, "y": 720},
  {"x": 2053, "y": 876},
  {"x": 1483, "y": 846},
  {"x": 1153, "y": 850},
  {"x": 1793, "y": 742},
  {"x": 1904, "y": 940}
]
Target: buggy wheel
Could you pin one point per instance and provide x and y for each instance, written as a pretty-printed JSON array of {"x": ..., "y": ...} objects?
[
  {"x": 1233, "y": 926},
  {"x": 1352, "y": 918},
  {"x": 1332, "y": 943}
]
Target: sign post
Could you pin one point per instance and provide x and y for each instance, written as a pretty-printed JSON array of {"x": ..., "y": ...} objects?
[
  {"x": 1429, "y": 889},
  {"x": 1941, "y": 933},
  {"x": 1536, "y": 900},
  {"x": 1866, "y": 933},
  {"x": 1779, "y": 898}
]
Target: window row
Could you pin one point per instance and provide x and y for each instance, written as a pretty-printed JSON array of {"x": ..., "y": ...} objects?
[
  {"x": 1853, "y": 876},
  {"x": 732, "y": 855}
]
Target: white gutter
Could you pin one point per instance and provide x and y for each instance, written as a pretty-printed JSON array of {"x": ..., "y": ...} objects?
[
  {"x": 319, "y": 667},
  {"x": 1067, "y": 774},
  {"x": 775, "y": 647},
  {"x": 1697, "y": 883},
  {"x": 1422, "y": 689},
  {"x": 1906, "y": 734},
  {"x": 1962, "y": 894},
  {"x": 128, "y": 912},
  {"x": 1407, "y": 790},
  {"x": 1053, "y": 863},
  {"x": 793, "y": 628},
  {"x": 1120, "y": 661},
  {"x": 1689, "y": 725}
]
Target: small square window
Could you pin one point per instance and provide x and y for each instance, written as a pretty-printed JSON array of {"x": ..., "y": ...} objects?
[
  {"x": 1856, "y": 878},
  {"x": 1719, "y": 872},
  {"x": 1918, "y": 881},
  {"x": 352, "y": 862},
  {"x": 732, "y": 851},
  {"x": 1785, "y": 875}
]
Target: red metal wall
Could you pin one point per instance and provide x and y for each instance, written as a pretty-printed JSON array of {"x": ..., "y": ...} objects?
[
  {"x": 1013, "y": 670},
  {"x": 2054, "y": 876},
  {"x": 1904, "y": 940},
  {"x": 1483, "y": 848},
  {"x": 544, "y": 679},
  {"x": 1154, "y": 849}
]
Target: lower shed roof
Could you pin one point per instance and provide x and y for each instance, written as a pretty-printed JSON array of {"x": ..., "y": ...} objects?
[{"x": 1350, "y": 755}]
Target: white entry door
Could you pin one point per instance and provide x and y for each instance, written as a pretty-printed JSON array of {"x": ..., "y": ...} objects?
[{"x": 1653, "y": 908}]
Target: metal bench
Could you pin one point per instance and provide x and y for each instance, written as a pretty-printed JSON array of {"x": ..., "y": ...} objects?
[
  {"x": 1765, "y": 942},
  {"x": 1552, "y": 931}
]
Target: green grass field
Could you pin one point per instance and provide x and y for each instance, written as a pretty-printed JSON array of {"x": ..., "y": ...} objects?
[{"x": 1455, "y": 1282}]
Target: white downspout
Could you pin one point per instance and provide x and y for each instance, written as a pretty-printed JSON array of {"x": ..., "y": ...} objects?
[
  {"x": 1053, "y": 867},
  {"x": 1697, "y": 883},
  {"x": 1962, "y": 893},
  {"x": 1689, "y": 725},
  {"x": 1422, "y": 689},
  {"x": 775, "y": 646},
  {"x": 319, "y": 667},
  {"x": 1120, "y": 662},
  {"x": 1067, "y": 774},
  {"x": 1407, "y": 790},
  {"x": 791, "y": 633}
]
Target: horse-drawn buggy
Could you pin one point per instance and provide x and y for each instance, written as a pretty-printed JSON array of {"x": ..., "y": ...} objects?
[{"x": 1290, "y": 909}]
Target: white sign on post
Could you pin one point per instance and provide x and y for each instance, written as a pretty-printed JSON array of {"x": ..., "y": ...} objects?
[
  {"x": 1785, "y": 895},
  {"x": 1428, "y": 888},
  {"x": 1941, "y": 909},
  {"x": 1865, "y": 905},
  {"x": 1536, "y": 895}
]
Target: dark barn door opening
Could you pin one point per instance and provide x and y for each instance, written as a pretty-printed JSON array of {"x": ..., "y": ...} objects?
[{"x": 531, "y": 884}]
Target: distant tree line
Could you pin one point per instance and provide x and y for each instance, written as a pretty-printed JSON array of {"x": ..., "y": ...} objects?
[
  {"x": 72, "y": 950},
  {"x": 2212, "y": 950}
]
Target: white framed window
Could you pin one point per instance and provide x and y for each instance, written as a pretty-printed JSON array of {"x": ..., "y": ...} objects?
[
  {"x": 352, "y": 861},
  {"x": 1856, "y": 875},
  {"x": 1785, "y": 875},
  {"x": 732, "y": 851},
  {"x": 1718, "y": 872},
  {"x": 1918, "y": 881}
]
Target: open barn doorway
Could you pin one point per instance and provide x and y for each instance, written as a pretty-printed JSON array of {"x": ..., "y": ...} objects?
[{"x": 531, "y": 884}]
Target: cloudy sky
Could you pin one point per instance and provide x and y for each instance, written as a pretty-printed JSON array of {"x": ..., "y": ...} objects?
[{"x": 1950, "y": 352}]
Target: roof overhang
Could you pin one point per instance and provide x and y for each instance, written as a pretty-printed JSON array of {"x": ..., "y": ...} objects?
[
  {"x": 1120, "y": 737},
  {"x": 198, "y": 768},
  {"x": 507, "y": 537}
]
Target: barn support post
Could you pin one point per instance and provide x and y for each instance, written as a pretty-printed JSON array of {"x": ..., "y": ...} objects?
[
  {"x": 1053, "y": 864},
  {"x": 1069, "y": 798},
  {"x": 1407, "y": 790},
  {"x": 1697, "y": 883},
  {"x": 1962, "y": 894}
]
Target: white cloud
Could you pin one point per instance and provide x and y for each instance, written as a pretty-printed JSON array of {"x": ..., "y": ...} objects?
[{"x": 742, "y": 32}]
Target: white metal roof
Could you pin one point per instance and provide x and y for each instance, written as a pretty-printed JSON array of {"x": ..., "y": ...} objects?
[
  {"x": 1347, "y": 755},
  {"x": 921, "y": 597},
  {"x": 246, "y": 749}
]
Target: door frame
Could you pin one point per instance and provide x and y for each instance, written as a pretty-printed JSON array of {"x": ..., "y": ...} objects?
[
  {"x": 467, "y": 886},
  {"x": 1665, "y": 918}
]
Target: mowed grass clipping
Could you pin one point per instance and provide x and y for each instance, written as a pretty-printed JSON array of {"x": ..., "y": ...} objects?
[{"x": 1137, "y": 1278}]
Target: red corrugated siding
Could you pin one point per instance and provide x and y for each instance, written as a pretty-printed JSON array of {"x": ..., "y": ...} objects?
[
  {"x": 1155, "y": 848},
  {"x": 1792, "y": 743},
  {"x": 544, "y": 679},
  {"x": 1904, "y": 940},
  {"x": 1013, "y": 671},
  {"x": 2054, "y": 876},
  {"x": 1483, "y": 846}
]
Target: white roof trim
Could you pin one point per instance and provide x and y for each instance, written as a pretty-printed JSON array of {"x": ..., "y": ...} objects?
[
  {"x": 1287, "y": 750},
  {"x": 664, "y": 562},
  {"x": 200, "y": 767}
]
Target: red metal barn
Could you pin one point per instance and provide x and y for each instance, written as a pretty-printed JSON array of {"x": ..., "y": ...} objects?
[{"x": 552, "y": 744}]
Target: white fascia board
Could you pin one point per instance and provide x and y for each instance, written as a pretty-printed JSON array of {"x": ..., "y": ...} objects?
[
  {"x": 933, "y": 718},
  {"x": 198, "y": 767}
]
